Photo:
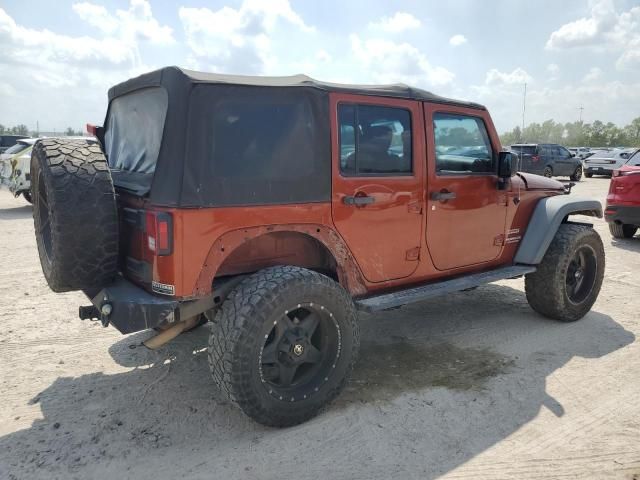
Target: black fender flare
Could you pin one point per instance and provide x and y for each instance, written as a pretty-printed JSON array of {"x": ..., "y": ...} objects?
[{"x": 549, "y": 213}]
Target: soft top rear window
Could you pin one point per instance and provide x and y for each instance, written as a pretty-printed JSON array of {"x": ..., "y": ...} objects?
[{"x": 133, "y": 134}]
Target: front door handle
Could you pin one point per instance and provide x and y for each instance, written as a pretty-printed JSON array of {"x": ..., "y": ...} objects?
[
  {"x": 443, "y": 195},
  {"x": 358, "y": 200}
]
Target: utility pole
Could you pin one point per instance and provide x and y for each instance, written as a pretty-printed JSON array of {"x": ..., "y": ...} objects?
[
  {"x": 37, "y": 128},
  {"x": 581, "y": 109},
  {"x": 524, "y": 107}
]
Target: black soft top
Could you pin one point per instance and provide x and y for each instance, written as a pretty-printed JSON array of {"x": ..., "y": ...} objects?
[
  {"x": 211, "y": 140},
  {"x": 176, "y": 78}
]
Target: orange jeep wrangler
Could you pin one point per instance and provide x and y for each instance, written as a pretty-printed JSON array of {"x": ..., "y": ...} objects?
[{"x": 277, "y": 208}]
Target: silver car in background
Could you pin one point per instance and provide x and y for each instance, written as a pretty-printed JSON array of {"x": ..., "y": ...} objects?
[{"x": 604, "y": 162}]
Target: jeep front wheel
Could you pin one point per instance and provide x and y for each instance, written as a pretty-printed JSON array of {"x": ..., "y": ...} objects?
[
  {"x": 567, "y": 282},
  {"x": 283, "y": 344}
]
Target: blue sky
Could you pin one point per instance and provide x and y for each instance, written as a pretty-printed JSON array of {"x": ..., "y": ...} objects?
[{"x": 57, "y": 59}]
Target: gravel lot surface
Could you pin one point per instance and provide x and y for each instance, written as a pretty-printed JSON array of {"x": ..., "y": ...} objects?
[{"x": 474, "y": 385}]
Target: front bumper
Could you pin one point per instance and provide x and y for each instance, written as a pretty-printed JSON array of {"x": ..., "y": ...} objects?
[
  {"x": 627, "y": 215},
  {"x": 133, "y": 309}
]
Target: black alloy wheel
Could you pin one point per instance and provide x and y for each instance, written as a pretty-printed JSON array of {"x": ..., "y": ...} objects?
[
  {"x": 300, "y": 352},
  {"x": 581, "y": 274}
]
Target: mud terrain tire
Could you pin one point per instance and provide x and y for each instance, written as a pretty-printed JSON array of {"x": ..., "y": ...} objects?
[
  {"x": 245, "y": 327},
  {"x": 553, "y": 289},
  {"x": 74, "y": 214}
]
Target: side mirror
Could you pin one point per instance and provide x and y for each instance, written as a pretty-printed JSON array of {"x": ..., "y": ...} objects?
[
  {"x": 508, "y": 164},
  {"x": 573, "y": 155}
]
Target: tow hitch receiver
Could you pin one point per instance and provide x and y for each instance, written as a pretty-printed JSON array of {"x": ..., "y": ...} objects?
[{"x": 88, "y": 313}]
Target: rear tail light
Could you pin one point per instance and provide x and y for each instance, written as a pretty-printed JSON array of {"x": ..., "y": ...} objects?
[
  {"x": 535, "y": 158},
  {"x": 159, "y": 233},
  {"x": 625, "y": 173},
  {"x": 91, "y": 129}
]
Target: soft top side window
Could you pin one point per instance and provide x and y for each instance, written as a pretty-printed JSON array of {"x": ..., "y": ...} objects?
[{"x": 462, "y": 145}]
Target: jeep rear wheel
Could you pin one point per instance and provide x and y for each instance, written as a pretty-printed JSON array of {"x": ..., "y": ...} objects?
[
  {"x": 547, "y": 172},
  {"x": 283, "y": 344},
  {"x": 621, "y": 230},
  {"x": 567, "y": 282},
  {"x": 74, "y": 214}
]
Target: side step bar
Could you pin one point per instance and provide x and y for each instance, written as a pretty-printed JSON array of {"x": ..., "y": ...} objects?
[{"x": 417, "y": 294}]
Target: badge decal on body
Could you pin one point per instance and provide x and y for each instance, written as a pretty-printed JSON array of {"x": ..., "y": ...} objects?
[{"x": 163, "y": 288}]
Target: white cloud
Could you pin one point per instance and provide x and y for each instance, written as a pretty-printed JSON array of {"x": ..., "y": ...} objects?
[
  {"x": 96, "y": 16},
  {"x": 594, "y": 74},
  {"x": 606, "y": 101},
  {"x": 580, "y": 32},
  {"x": 136, "y": 22},
  {"x": 323, "y": 56},
  {"x": 605, "y": 28},
  {"x": 399, "y": 22},
  {"x": 553, "y": 69},
  {"x": 457, "y": 40},
  {"x": 41, "y": 70},
  {"x": 388, "y": 62},
  {"x": 238, "y": 40},
  {"x": 517, "y": 77}
]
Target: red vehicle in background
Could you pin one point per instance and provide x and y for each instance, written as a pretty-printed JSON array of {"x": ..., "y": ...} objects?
[{"x": 623, "y": 201}]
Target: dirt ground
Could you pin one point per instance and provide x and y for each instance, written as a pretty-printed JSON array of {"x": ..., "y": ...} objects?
[{"x": 474, "y": 385}]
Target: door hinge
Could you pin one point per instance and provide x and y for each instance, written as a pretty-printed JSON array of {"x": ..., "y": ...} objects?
[
  {"x": 415, "y": 207},
  {"x": 499, "y": 240},
  {"x": 413, "y": 254}
]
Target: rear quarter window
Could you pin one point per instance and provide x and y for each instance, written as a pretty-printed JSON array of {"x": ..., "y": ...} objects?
[
  {"x": 134, "y": 129},
  {"x": 253, "y": 146}
]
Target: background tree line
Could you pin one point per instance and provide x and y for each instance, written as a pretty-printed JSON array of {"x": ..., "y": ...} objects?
[
  {"x": 576, "y": 134},
  {"x": 24, "y": 130}
]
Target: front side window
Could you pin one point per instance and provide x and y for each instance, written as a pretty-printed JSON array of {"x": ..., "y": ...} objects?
[
  {"x": 564, "y": 153},
  {"x": 462, "y": 145},
  {"x": 374, "y": 140}
]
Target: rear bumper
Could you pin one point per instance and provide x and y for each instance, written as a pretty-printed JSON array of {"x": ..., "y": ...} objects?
[
  {"x": 133, "y": 309},
  {"x": 628, "y": 215},
  {"x": 599, "y": 169}
]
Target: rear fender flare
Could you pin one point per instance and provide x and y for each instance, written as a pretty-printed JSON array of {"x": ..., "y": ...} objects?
[
  {"x": 549, "y": 213},
  {"x": 348, "y": 271}
]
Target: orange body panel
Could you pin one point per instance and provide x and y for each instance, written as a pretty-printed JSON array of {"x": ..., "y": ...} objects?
[{"x": 403, "y": 238}]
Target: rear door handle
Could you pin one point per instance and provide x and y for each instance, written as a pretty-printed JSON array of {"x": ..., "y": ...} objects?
[
  {"x": 358, "y": 200},
  {"x": 442, "y": 196}
]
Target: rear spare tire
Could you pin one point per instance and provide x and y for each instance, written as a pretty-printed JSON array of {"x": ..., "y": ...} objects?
[{"x": 74, "y": 214}]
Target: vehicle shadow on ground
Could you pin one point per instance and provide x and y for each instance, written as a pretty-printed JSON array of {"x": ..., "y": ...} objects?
[
  {"x": 16, "y": 213},
  {"x": 449, "y": 378},
  {"x": 629, "y": 244}
]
